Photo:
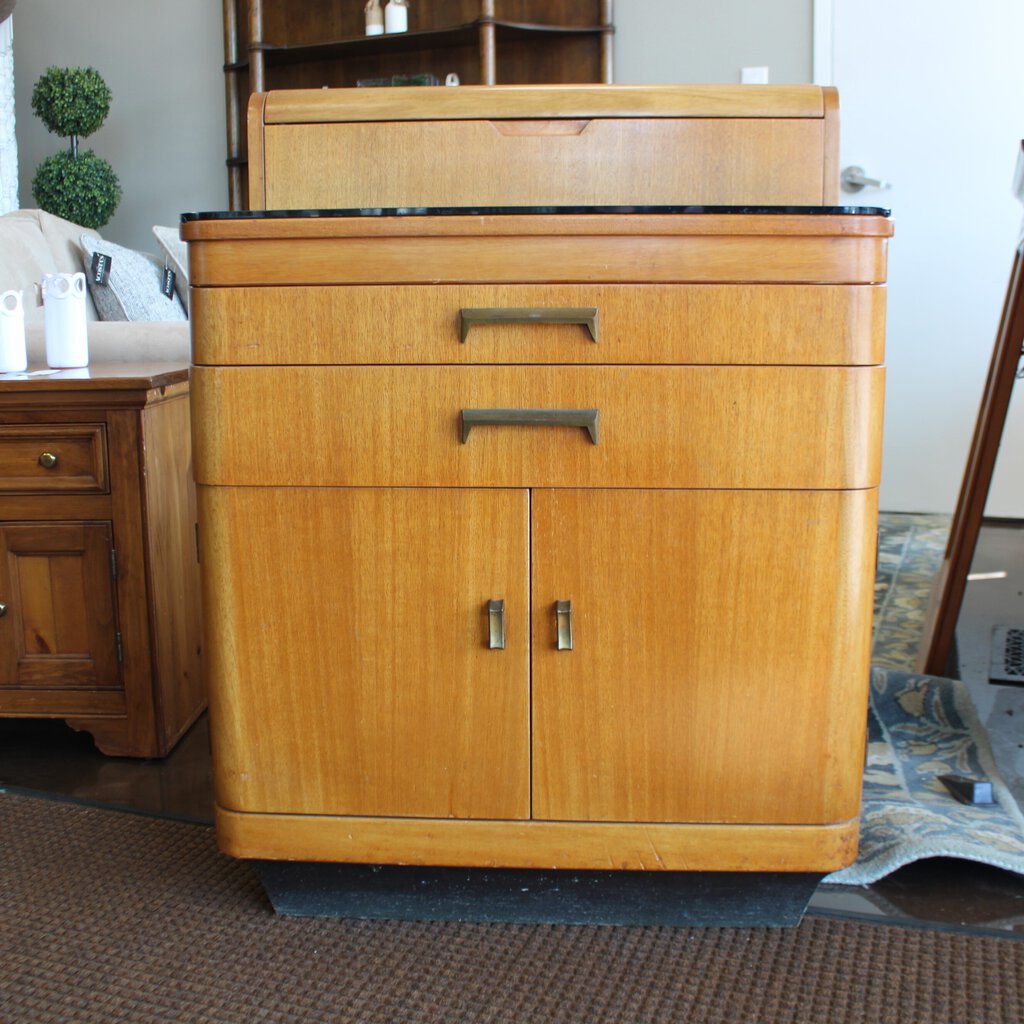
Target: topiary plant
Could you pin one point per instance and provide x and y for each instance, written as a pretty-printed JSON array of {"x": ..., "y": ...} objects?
[{"x": 79, "y": 187}]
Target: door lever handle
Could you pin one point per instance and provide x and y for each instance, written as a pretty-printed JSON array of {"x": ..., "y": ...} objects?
[{"x": 853, "y": 179}]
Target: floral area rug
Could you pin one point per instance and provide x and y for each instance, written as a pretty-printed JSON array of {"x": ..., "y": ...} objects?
[{"x": 921, "y": 727}]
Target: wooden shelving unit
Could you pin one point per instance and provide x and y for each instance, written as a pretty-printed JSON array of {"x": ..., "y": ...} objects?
[{"x": 270, "y": 44}]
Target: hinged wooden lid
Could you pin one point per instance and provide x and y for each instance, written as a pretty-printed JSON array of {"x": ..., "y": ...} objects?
[{"x": 324, "y": 106}]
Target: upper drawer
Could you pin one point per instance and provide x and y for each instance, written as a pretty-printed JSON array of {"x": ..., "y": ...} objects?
[
  {"x": 825, "y": 325},
  {"x": 509, "y": 146},
  {"x": 67, "y": 457},
  {"x": 630, "y": 426},
  {"x": 548, "y": 163}
]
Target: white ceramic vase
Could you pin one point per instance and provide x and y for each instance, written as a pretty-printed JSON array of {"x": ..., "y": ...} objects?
[
  {"x": 13, "y": 354},
  {"x": 67, "y": 342}
]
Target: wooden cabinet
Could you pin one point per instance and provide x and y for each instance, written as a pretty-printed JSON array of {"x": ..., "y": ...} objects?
[
  {"x": 271, "y": 44},
  {"x": 99, "y": 602},
  {"x": 655, "y": 432}
]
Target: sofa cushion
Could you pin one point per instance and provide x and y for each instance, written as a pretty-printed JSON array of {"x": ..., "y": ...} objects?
[
  {"x": 33, "y": 243},
  {"x": 121, "y": 341},
  {"x": 24, "y": 259},
  {"x": 133, "y": 288}
]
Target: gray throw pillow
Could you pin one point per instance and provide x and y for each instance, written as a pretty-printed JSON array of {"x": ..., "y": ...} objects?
[
  {"x": 175, "y": 254},
  {"x": 133, "y": 286}
]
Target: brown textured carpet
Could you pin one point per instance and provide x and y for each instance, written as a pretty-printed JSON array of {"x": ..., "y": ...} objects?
[{"x": 109, "y": 917}]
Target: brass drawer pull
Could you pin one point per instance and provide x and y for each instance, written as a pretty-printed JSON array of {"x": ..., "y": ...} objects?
[
  {"x": 496, "y": 624},
  {"x": 47, "y": 460},
  {"x": 563, "y": 622},
  {"x": 585, "y": 418},
  {"x": 585, "y": 315}
]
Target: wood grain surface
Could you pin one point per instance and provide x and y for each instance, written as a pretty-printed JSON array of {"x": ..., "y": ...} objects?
[
  {"x": 539, "y": 844},
  {"x": 821, "y": 325},
  {"x": 695, "y": 691},
  {"x": 659, "y": 426},
  {"x": 348, "y": 659}
]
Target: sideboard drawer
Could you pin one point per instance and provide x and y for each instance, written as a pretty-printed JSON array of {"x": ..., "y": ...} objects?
[
  {"x": 678, "y": 426},
  {"x": 796, "y": 324},
  {"x": 67, "y": 457}
]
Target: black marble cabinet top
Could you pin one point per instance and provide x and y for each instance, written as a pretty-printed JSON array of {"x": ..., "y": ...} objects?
[{"x": 496, "y": 211}]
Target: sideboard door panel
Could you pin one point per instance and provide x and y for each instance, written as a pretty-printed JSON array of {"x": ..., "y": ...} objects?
[
  {"x": 719, "y": 655},
  {"x": 57, "y": 631},
  {"x": 351, "y": 671}
]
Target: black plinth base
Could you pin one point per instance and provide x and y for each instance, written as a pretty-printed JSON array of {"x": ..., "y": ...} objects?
[{"x": 677, "y": 898}]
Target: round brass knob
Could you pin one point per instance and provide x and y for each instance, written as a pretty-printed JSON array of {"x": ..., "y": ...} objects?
[
  {"x": 47, "y": 460},
  {"x": 3, "y": 609}
]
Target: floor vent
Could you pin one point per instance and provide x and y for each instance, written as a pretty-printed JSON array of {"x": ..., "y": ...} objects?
[{"x": 1007, "y": 660}]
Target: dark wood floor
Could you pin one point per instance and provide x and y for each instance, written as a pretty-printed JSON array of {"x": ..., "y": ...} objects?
[{"x": 48, "y": 756}]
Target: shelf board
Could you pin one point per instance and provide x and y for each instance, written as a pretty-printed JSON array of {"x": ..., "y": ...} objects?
[{"x": 408, "y": 42}]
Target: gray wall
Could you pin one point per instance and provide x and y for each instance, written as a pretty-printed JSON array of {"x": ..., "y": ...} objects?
[
  {"x": 164, "y": 135},
  {"x": 165, "y": 132},
  {"x": 666, "y": 41}
]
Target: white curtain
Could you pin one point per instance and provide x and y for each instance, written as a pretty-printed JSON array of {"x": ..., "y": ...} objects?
[{"x": 8, "y": 143}]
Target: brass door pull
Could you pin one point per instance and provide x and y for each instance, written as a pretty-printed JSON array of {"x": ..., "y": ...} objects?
[
  {"x": 496, "y": 625},
  {"x": 585, "y": 315},
  {"x": 585, "y": 418},
  {"x": 563, "y": 623},
  {"x": 47, "y": 460}
]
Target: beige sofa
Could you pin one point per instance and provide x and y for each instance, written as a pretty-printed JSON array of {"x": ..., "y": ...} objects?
[{"x": 34, "y": 243}]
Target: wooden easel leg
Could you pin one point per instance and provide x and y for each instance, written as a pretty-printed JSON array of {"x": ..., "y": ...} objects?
[{"x": 950, "y": 583}]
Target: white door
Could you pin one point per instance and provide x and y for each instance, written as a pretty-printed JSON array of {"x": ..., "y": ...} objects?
[{"x": 931, "y": 99}]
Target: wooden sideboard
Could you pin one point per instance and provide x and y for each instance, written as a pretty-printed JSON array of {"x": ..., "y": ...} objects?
[
  {"x": 99, "y": 594},
  {"x": 539, "y": 539}
]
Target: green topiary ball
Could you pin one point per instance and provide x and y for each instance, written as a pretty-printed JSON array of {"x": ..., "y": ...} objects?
[
  {"x": 71, "y": 101},
  {"x": 82, "y": 189}
]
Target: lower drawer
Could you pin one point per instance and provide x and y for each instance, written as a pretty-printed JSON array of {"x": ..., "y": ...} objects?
[{"x": 631, "y": 426}]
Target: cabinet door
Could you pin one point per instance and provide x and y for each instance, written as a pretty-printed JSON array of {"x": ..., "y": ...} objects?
[
  {"x": 719, "y": 666},
  {"x": 57, "y": 631},
  {"x": 350, "y": 664}
]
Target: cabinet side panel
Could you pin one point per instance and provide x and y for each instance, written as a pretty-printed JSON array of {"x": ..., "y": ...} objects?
[
  {"x": 347, "y": 632},
  {"x": 176, "y": 609},
  {"x": 257, "y": 171}
]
